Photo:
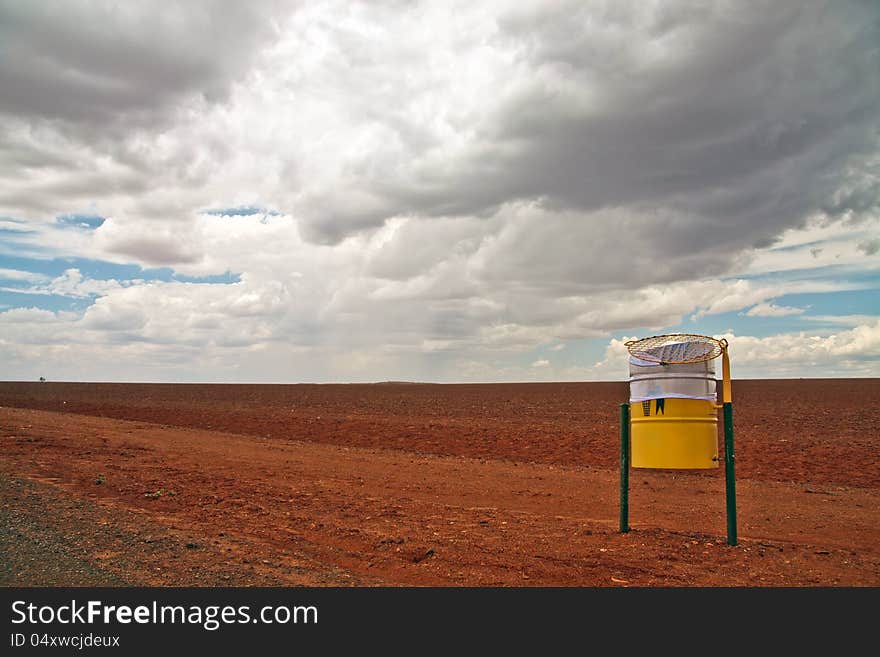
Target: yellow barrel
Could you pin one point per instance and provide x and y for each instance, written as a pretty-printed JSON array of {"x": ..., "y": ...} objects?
[{"x": 674, "y": 433}]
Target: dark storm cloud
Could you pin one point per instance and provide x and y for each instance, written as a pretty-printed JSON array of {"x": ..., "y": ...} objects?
[
  {"x": 681, "y": 133},
  {"x": 736, "y": 121},
  {"x": 99, "y": 62},
  {"x": 89, "y": 88}
]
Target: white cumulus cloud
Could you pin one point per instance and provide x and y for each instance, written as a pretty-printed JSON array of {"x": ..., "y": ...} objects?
[{"x": 772, "y": 310}]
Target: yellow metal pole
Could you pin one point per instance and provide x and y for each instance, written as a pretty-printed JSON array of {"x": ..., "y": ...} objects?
[{"x": 727, "y": 391}]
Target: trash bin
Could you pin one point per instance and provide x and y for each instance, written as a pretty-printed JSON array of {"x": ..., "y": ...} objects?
[{"x": 674, "y": 419}]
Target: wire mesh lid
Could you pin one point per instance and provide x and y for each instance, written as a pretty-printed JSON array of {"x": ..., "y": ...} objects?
[{"x": 676, "y": 348}]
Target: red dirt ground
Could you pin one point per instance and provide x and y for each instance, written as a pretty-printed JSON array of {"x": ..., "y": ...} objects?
[{"x": 417, "y": 484}]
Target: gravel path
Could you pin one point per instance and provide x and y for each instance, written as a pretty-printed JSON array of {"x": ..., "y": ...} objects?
[
  {"x": 49, "y": 538},
  {"x": 37, "y": 552}
]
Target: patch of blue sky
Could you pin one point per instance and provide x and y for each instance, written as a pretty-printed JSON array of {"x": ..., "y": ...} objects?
[
  {"x": 240, "y": 211},
  {"x": 18, "y": 292},
  {"x": 53, "y": 302},
  {"x": 739, "y": 323},
  {"x": 844, "y": 302},
  {"x": 104, "y": 270},
  {"x": 78, "y": 220},
  {"x": 820, "y": 309},
  {"x": 850, "y": 272}
]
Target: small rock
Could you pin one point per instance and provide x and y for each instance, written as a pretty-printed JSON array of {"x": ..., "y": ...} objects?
[{"x": 421, "y": 557}]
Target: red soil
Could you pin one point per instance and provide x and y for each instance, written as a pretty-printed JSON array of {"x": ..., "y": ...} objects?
[{"x": 508, "y": 484}]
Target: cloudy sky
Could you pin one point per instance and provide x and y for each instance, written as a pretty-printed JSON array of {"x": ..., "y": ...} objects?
[{"x": 495, "y": 191}]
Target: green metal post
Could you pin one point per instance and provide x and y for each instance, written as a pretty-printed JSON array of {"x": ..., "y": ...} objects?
[
  {"x": 624, "y": 468},
  {"x": 729, "y": 475}
]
